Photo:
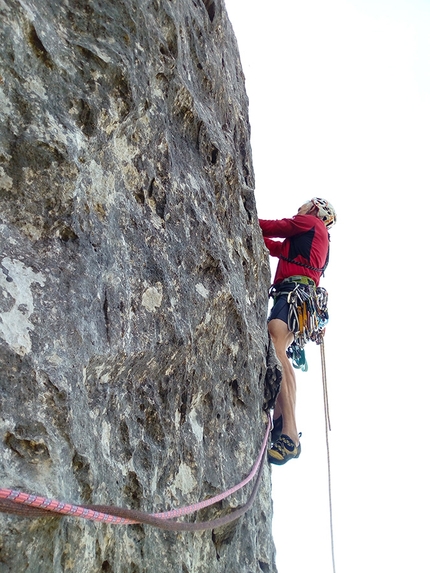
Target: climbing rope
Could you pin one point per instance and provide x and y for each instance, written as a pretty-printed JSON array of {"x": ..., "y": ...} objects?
[
  {"x": 28, "y": 505},
  {"x": 327, "y": 430}
]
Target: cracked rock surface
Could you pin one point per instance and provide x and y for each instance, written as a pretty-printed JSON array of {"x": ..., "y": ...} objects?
[{"x": 133, "y": 284}]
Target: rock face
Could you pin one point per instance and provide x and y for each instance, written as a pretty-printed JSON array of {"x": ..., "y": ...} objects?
[{"x": 132, "y": 284}]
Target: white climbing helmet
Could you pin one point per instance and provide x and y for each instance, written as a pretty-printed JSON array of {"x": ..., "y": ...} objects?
[{"x": 326, "y": 212}]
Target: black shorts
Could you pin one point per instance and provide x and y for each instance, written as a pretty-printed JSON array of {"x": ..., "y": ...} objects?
[
  {"x": 280, "y": 308},
  {"x": 281, "y": 305}
]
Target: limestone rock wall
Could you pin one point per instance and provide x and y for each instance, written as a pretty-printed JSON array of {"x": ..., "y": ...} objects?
[{"x": 132, "y": 283}]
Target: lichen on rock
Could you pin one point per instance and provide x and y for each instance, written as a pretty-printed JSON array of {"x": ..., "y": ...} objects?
[{"x": 132, "y": 284}]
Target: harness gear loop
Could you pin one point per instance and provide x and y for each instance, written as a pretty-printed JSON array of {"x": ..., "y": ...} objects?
[{"x": 307, "y": 311}]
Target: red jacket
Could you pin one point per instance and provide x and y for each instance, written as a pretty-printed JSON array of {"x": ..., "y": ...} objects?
[{"x": 306, "y": 240}]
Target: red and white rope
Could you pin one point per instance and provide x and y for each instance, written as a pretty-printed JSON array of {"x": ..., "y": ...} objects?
[{"x": 30, "y": 505}]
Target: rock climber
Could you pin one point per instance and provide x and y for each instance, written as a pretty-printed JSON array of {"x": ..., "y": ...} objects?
[{"x": 303, "y": 256}]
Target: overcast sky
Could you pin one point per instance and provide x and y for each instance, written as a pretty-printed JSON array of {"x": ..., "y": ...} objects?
[{"x": 339, "y": 107}]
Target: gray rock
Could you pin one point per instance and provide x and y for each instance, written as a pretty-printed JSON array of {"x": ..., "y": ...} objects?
[{"x": 133, "y": 284}]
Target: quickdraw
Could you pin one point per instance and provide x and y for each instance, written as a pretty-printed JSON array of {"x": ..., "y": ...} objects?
[{"x": 307, "y": 316}]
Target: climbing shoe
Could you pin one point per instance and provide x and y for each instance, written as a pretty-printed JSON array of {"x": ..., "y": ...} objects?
[
  {"x": 284, "y": 449},
  {"x": 276, "y": 430}
]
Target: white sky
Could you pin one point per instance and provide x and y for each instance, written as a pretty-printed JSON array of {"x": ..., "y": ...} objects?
[{"x": 339, "y": 108}]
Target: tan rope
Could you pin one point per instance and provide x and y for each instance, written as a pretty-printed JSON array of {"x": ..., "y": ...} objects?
[{"x": 327, "y": 430}]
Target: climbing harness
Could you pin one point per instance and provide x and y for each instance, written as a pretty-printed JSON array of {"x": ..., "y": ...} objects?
[
  {"x": 28, "y": 505},
  {"x": 307, "y": 313}
]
